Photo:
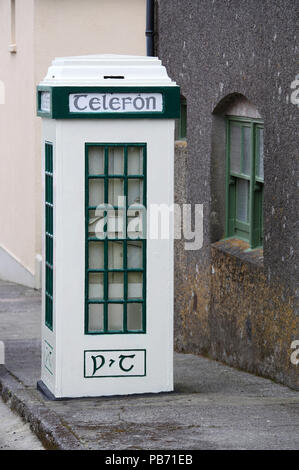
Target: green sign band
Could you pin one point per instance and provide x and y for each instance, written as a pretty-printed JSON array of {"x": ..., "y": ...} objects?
[{"x": 82, "y": 102}]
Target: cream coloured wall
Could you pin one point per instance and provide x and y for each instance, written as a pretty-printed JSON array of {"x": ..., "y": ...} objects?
[
  {"x": 45, "y": 29},
  {"x": 82, "y": 27},
  {"x": 17, "y": 145}
]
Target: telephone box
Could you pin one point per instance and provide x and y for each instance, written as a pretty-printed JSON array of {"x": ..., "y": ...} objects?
[{"x": 107, "y": 291}]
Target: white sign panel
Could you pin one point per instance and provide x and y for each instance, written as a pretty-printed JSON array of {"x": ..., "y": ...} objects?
[
  {"x": 114, "y": 363},
  {"x": 45, "y": 104},
  {"x": 115, "y": 102}
]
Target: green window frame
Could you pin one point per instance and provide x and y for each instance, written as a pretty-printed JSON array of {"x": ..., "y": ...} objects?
[
  {"x": 181, "y": 123},
  {"x": 245, "y": 180},
  {"x": 115, "y": 264},
  {"x": 49, "y": 234}
]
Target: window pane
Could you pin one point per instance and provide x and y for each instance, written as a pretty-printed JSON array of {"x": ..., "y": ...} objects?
[
  {"x": 116, "y": 160},
  {"x": 135, "y": 157},
  {"x": 115, "y": 317},
  {"x": 96, "y": 255},
  {"x": 95, "y": 317},
  {"x": 134, "y": 252},
  {"x": 246, "y": 150},
  {"x": 134, "y": 316},
  {"x": 115, "y": 255},
  {"x": 135, "y": 191},
  {"x": 95, "y": 286},
  {"x": 49, "y": 189},
  {"x": 235, "y": 148},
  {"x": 95, "y": 224},
  {"x": 135, "y": 285},
  {"x": 96, "y": 160},
  {"x": 260, "y": 153},
  {"x": 49, "y": 280},
  {"x": 96, "y": 192},
  {"x": 116, "y": 191},
  {"x": 242, "y": 200},
  {"x": 116, "y": 224},
  {"x": 115, "y": 285},
  {"x": 135, "y": 224}
]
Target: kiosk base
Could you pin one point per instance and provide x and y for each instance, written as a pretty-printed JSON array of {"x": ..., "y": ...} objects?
[
  {"x": 41, "y": 387},
  {"x": 45, "y": 391}
]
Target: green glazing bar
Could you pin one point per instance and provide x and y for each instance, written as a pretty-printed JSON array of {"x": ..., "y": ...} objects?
[
  {"x": 94, "y": 177},
  {"x": 115, "y": 301}
]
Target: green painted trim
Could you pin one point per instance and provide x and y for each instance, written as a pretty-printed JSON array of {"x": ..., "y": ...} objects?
[
  {"x": 181, "y": 123},
  {"x": 41, "y": 113},
  {"x": 59, "y": 99},
  {"x": 252, "y": 208},
  {"x": 244, "y": 226},
  {"x": 230, "y": 196},
  {"x": 240, "y": 175},
  {"x": 111, "y": 376},
  {"x": 240, "y": 119}
]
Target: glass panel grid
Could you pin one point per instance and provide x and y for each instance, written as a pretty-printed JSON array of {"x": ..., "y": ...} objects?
[
  {"x": 49, "y": 207},
  {"x": 118, "y": 258}
]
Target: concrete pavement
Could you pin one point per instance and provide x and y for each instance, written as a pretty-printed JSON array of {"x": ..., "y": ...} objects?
[
  {"x": 14, "y": 433},
  {"x": 213, "y": 406}
]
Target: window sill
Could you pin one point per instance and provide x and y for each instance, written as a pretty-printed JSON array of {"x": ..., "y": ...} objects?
[
  {"x": 180, "y": 144},
  {"x": 240, "y": 249}
]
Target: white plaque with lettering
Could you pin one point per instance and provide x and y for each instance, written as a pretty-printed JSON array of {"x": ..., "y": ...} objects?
[
  {"x": 115, "y": 102},
  {"x": 115, "y": 363}
]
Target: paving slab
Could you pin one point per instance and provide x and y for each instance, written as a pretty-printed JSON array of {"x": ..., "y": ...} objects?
[
  {"x": 213, "y": 406},
  {"x": 14, "y": 433}
]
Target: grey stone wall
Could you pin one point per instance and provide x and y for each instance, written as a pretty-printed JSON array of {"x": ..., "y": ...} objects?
[{"x": 216, "y": 49}]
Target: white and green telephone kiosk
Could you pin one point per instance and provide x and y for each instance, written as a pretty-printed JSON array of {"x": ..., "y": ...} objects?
[{"x": 108, "y": 157}]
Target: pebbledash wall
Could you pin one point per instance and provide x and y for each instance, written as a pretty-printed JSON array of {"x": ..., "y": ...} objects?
[
  {"x": 32, "y": 34},
  {"x": 233, "y": 304}
]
